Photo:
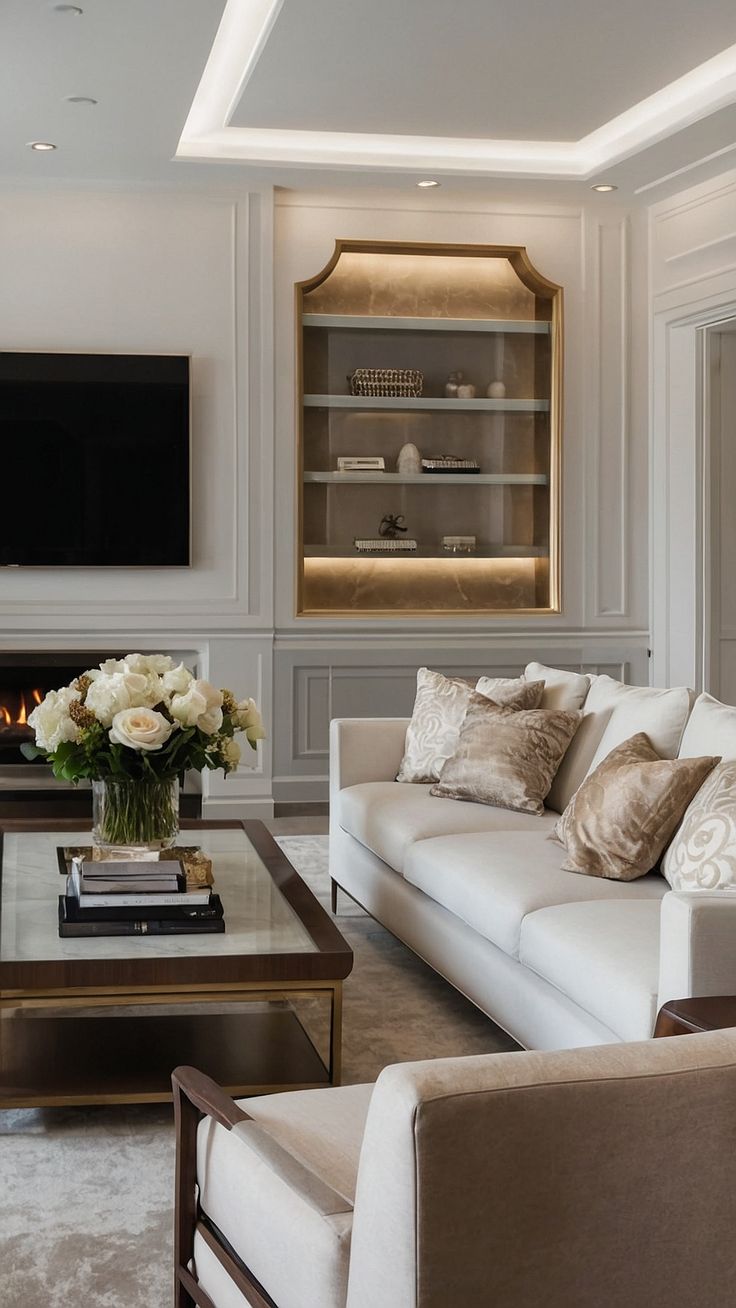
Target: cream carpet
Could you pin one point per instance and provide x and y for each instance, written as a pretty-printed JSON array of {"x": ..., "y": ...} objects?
[{"x": 86, "y": 1193}]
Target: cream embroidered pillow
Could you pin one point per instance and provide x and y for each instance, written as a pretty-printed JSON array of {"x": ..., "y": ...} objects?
[
  {"x": 623, "y": 815},
  {"x": 439, "y": 710},
  {"x": 702, "y": 855},
  {"x": 506, "y": 756}
]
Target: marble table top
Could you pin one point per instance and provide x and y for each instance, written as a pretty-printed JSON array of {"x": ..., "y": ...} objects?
[{"x": 258, "y": 918}]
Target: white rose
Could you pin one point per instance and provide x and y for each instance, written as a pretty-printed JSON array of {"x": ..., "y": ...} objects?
[
  {"x": 247, "y": 718},
  {"x": 199, "y": 706},
  {"x": 230, "y": 754},
  {"x": 50, "y": 719},
  {"x": 148, "y": 663},
  {"x": 106, "y": 669},
  {"x": 176, "y": 682},
  {"x": 140, "y": 728},
  {"x": 109, "y": 695}
]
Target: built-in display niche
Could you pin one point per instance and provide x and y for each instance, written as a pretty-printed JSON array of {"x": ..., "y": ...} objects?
[{"x": 429, "y": 432}]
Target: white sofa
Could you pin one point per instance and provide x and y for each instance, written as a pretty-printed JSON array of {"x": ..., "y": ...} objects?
[{"x": 555, "y": 958}]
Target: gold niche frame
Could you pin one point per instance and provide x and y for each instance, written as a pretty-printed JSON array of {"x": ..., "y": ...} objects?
[{"x": 534, "y": 571}]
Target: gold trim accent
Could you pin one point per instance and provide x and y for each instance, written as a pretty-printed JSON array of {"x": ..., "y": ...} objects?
[{"x": 539, "y": 285}]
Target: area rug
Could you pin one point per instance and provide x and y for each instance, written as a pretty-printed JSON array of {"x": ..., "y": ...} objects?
[{"x": 86, "y": 1193}]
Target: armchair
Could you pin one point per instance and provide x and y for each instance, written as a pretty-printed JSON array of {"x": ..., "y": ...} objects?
[{"x": 604, "y": 1175}]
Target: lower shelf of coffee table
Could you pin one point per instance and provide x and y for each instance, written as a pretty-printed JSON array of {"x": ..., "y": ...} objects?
[{"x": 102, "y": 1059}]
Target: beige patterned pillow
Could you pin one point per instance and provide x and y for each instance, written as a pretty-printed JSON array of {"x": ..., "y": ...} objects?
[
  {"x": 702, "y": 855},
  {"x": 622, "y": 817},
  {"x": 507, "y": 756},
  {"x": 438, "y": 713}
]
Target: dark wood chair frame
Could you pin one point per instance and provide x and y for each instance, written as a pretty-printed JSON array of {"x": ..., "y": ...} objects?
[{"x": 197, "y": 1096}]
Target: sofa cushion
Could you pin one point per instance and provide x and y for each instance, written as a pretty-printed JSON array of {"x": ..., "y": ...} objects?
[
  {"x": 613, "y": 712},
  {"x": 297, "y": 1253},
  {"x": 622, "y": 818},
  {"x": 507, "y": 756},
  {"x": 710, "y": 729},
  {"x": 603, "y": 955},
  {"x": 562, "y": 689},
  {"x": 492, "y": 880},
  {"x": 387, "y": 818}
]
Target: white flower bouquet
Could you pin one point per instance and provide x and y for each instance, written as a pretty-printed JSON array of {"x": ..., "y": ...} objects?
[{"x": 140, "y": 719}]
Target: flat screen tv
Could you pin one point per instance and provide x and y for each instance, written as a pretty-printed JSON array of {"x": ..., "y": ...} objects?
[{"x": 94, "y": 452}]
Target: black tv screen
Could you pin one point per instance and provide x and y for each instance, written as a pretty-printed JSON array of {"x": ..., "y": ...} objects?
[{"x": 95, "y": 459}]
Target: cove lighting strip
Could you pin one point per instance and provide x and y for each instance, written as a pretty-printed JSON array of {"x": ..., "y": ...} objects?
[{"x": 240, "y": 40}]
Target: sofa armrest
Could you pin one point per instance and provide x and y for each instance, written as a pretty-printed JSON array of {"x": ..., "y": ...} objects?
[
  {"x": 365, "y": 749},
  {"x": 697, "y": 952}
]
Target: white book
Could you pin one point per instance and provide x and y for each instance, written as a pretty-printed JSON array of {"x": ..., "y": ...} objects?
[{"x": 174, "y": 899}]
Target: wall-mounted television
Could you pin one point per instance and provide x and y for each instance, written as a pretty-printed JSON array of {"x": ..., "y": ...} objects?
[{"x": 95, "y": 460}]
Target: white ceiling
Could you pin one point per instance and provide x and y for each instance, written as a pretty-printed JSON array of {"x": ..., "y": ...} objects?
[
  {"x": 541, "y": 70},
  {"x": 319, "y": 93}
]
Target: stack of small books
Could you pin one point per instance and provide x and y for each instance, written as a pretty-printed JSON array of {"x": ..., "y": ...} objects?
[{"x": 110, "y": 898}]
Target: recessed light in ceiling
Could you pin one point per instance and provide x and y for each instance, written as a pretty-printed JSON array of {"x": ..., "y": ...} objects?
[
  {"x": 73, "y": 10},
  {"x": 604, "y": 186},
  {"x": 41, "y": 145},
  {"x": 428, "y": 182},
  {"x": 79, "y": 99}
]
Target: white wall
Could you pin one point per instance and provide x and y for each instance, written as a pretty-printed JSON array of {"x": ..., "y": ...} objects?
[
  {"x": 198, "y": 274},
  {"x": 598, "y": 254},
  {"x": 170, "y": 273}
]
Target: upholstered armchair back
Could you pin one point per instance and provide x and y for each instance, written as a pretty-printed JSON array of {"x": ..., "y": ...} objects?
[{"x": 601, "y": 1176}]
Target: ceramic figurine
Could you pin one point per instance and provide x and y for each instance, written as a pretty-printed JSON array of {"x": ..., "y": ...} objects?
[
  {"x": 409, "y": 460},
  {"x": 466, "y": 391},
  {"x": 391, "y": 524},
  {"x": 451, "y": 385},
  {"x": 496, "y": 390}
]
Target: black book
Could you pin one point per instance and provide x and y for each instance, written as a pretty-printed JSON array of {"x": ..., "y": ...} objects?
[
  {"x": 79, "y": 924},
  {"x": 210, "y": 912}
]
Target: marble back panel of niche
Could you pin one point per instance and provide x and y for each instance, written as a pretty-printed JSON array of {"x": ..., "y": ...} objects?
[
  {"x": 422, "y": 286},
  {"x": 421, "y": 584}
]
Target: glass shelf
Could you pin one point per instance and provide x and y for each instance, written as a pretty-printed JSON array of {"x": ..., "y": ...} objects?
[
  {"x": 362, "y": 322},
  {"x": 400, "y": 403},
  {"x": 482, "y": 552},
  {"x": 429, "y": 478}
]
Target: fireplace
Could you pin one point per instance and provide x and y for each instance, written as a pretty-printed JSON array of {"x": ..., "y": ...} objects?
[{"x": 28, "y": 786}]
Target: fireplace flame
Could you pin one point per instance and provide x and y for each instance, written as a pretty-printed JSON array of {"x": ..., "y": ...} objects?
[{"x": 17, "y": 716}]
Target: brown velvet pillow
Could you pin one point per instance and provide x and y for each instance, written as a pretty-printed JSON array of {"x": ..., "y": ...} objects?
[
  {"x": 506, "y": 756},
  {"x": 624, "y": 814},
  {"x": 439, "y": 709}
]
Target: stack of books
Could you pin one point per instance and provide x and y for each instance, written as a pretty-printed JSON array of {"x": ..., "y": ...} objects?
[{"x": 135, "y": 899}]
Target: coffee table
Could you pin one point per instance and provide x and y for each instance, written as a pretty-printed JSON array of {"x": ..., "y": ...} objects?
[{"x": 81, "y": 1019}]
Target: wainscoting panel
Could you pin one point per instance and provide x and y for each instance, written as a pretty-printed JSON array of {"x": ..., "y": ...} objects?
[{"x": 321, "y": 682}]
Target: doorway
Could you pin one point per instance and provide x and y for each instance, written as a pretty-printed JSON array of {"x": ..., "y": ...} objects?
[{"x": 719, "y": 555}]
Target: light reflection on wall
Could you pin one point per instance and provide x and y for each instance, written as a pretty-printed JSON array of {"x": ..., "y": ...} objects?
[{"x": 455, "y": 584}]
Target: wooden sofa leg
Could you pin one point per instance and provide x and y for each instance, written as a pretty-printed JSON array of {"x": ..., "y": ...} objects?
[{"x": 333, "y": 896}]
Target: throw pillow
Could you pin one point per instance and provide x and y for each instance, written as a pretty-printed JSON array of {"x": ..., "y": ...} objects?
[
  {"x": 624, "y": 814},
  {"x": 506, "y": 756},
  {"x": 702, "y": 855},
  {"x": 439, "y": 709}
]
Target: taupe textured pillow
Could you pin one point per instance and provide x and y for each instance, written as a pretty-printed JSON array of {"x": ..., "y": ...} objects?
[
  {"x": 505, "y": 756},
  {"x": 439, "y": 709},
  {"x": 623, "y": 816},
  {"x": 702, "y": 855}
]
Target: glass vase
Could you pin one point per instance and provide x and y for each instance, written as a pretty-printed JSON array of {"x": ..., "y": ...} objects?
[{"x": 134, "y": 819}]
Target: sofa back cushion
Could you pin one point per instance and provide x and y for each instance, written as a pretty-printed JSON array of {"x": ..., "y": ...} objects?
[
  {"x": 562, "y": 689},
  {"x": 613, "y": 713},
  {"x": 711, "y": 729}
]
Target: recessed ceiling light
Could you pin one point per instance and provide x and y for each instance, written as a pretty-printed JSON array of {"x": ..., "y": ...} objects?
[
  {"x": 604, "y": 186},
  {"x": 79, "y": 99},
  {"x": 41, "y": 145},
  {"x": 74, "y": 10},
  {"x": 428, "y": 182}
]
